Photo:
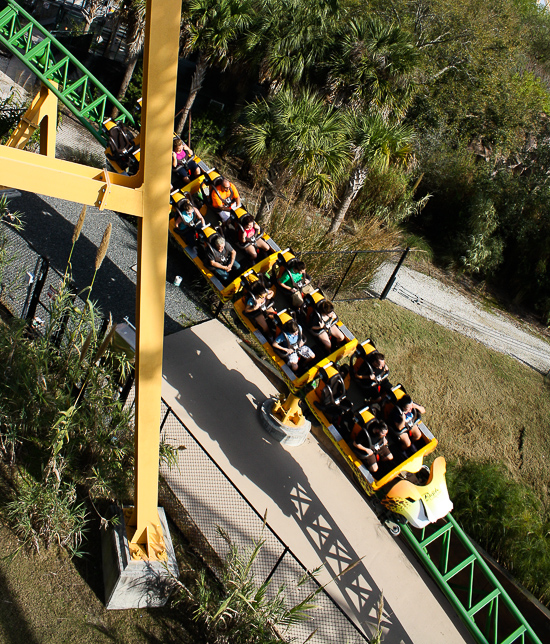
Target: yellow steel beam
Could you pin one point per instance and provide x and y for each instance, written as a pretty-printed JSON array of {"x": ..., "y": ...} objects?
[
  {"x": 145, "y": 195},
  {"x": 72, "y": 181},
  {"x": 42, "y": 113},
  {"x": 288, "y": 411},
  {"x": 159, "y": 95}
]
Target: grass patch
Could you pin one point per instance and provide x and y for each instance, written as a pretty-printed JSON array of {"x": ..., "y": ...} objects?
[
  {"x": 480, "y": 404},
  {"x": 47, "y": 600}
]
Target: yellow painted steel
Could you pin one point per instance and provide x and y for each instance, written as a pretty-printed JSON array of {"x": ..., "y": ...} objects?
[
  {"x": 71, "y": 181},
  {"x": 159, "y": 96},
  {"x": 145, "y": 195},
  {"x": 289, "y": 411},
  {"x": 42, "y": 113}
]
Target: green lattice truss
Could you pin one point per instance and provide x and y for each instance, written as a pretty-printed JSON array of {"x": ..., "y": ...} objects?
[
  {"x": 469, "y": 584},
  {"x": 76, "y": 88}
]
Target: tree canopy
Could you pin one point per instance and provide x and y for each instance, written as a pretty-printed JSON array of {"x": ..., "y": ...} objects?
[{"x": 466, "y": 84}]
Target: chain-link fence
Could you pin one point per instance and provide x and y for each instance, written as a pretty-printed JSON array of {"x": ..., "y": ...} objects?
[
  {"x": 29, "y": 285},
  {"x": 205, "y": 500},
  {"x": 346, "y": 275}
]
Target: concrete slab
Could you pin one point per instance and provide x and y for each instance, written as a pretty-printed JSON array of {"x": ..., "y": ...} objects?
[{"x": 215, "y": 389}]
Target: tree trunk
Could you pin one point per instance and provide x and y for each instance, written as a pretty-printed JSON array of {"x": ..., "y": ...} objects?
[
  {"x": 130, "y": 66},
  {"x": 196, "y": 84},
  {"x": 355, "y": 183},
  {"x": 267, "y": 203},
  {"x": 112, "y": 37},
  {"x": 272, "y": 190}
]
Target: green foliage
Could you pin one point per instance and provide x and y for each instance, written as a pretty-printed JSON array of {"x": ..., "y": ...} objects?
[
  {"x": 483, "y": 250},
  {"x": 507, "y": 520},
  {"x": 239, "y": 609},
  {"x": 11, "y": 111},
  {"x": 209, "y": 131},
  {"x": 134, "y": 91},
  {"x": 61, "y": 421},
  {"x": 47, "y": 514}
]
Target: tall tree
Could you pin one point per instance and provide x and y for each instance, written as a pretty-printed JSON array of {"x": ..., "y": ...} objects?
[
  {"x": 290, "y": 39},
  {"x": 374, "y": 65},
  {"x": 212, "y": 29},
  {"x": 133, "y": 15},
  {"x": 90, "y": 11},
  {"x": 373, "y": 142},
  {"x": 297, "y": 137}
]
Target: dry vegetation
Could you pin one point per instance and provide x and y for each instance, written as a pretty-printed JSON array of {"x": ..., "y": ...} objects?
[{"x": 480, "y": 404}]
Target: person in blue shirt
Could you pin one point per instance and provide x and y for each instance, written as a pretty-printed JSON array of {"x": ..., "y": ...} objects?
[
  {"x": 291, "y": 346},
  {"x": 404, "y": 419},
  {"x": 186, "y": 219}
]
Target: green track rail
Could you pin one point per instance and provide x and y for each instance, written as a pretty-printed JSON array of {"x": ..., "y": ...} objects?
[
  {"x": 45, "y": 56},
  {"x": 469, "y": 584}
]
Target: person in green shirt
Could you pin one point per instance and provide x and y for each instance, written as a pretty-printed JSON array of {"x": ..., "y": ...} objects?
[{"x": 295, "y": 282}]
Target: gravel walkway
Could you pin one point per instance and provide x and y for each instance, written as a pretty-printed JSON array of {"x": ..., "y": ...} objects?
[{"x": 447, "y": 306}]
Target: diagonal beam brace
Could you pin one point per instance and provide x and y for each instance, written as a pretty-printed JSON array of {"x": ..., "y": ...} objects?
[{"x": 57, "y": 178}]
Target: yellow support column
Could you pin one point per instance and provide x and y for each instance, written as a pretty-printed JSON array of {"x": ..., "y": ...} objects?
[
  {"x": 159, "y": 94},
  {"x": 41, "y": 113}
]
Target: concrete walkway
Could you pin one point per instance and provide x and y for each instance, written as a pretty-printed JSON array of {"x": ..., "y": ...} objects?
[{"x": 215, "y": 388}]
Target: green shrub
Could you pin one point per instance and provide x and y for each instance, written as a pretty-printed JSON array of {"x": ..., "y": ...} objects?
[
  {"x": 48, "y": 514},
  {"x": 239, "y": 609},
  {"x": 506, "y": 519}
]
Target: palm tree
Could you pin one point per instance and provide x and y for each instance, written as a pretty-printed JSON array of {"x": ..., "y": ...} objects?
[
  {"x": 90, "y": 11},
  {"x": 213, "y": 28},
  {"x": 374, "y": 143},
  {"x": 373, "y": 66},
  {"x": 132, "y": 13},
  {"x": 297, "y": 137},
  {"x": 291, "y": 38}
]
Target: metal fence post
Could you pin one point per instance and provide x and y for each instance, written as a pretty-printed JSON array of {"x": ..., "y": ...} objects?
[
  {"x": 32, "y": 281},
  {"x": 277, "y": 564},
  {"x": 345, "y": 275},
  {"x": 391, "y": 281},
  {"x": 39, "y": 282}
]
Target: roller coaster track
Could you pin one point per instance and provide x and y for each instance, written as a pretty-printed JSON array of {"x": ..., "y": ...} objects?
[
  {"x": 443, "y": 548},
  {"x": 58, "y": 69},
  {"x": 470, "y": 585}
]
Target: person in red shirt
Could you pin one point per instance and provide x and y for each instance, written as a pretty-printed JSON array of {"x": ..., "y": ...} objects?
[{"x": 225, "y": 198}]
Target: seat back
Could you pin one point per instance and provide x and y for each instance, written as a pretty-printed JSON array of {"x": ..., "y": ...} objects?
[{"x": 359, "y": 357}]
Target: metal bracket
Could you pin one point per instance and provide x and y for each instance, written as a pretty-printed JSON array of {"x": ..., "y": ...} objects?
[{"x": 105, "y": 191}]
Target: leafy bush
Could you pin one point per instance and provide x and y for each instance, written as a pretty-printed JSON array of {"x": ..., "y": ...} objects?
[
  {"x": 61, "y": 421},
  {"x": 48, "y": 514},
  {"x": 12, "y": 109},
  {"x": 239, "y": 609},
  {"x": 506, "y": 519}
]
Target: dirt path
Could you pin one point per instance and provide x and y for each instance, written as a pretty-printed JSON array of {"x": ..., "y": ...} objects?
[{"x": 447, "y": 306}]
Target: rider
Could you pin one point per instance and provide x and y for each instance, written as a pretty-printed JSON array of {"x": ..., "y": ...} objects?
[
  {"x": 404, "y": 419},
  {"x": 225, "y": 198}
]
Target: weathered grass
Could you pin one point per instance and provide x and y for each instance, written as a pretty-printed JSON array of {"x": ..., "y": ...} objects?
[
  {"x": 303, "y": 229},
  {"x": 480, "y": 404}
]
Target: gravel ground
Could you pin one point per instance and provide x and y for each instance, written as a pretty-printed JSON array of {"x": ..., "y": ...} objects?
[
  {"x": 447, "y": 306},
  {"x": 49, "y": 225}
]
